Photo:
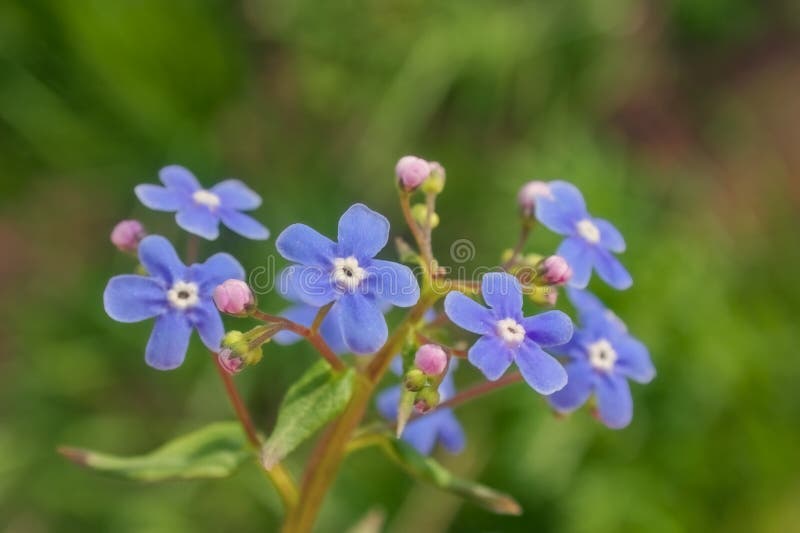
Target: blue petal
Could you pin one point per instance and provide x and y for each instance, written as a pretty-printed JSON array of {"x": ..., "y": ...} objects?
[
  {"x": 451, "y": 434},
  {"x": 503, "y": 294},
  {"x": 584, "y": 301},
  {"x": 610, "y": 237},
  {"x": 578, "y": 254},
  {"x": 421, "y": 433},
  {"x": 614, "y": 402},
  {"x": 130, "y": 298},
  {"x": 468, "y": 314},
  {"x": 331, "y": 332},
  {"x": 634, "y": 359},
  {"x": 362, "y": 232},
  {"x": 233, "y": 194},
  {"x": 217, "y": 269},
  {"x": 301, "y": 244},
  {"x": 244, "y": 225},
  {"x": 388, "y": 402},
  {"x": 205, "y": 317},
  {"x": 199, "y": 220},
  {"x": 286, "y": 285},
  {"x": 576, "y": 391},
  {"x": 159, "y": 198},
  {"x": 160, "y": 259},
  {"x": 362, "y": 323},
  {"x": 178, "y": 177},
  {"x": 310, "y": 284},
  {"x": 491, "y": 356},
  {"x": 610, "y": 270},
  {"x": 394, "y": 283},
  {"x": 540, "y": 369},
  {"x": 169, "y": 341},
  {"x": 551, "y": 328},
  {"x": 562, "y": 210}
]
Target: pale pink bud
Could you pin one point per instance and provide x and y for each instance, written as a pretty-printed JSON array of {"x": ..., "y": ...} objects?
[
  {"x": 230, "y": 362},
  {"x": 127, "y": 235},
  {"x": 412, "y": 171},
  {"x": 233, "y": 297},
  {"x": 526, "y": 198},
  {"x": 555, "y": 270},
  {"x": 431, "y": 359}
]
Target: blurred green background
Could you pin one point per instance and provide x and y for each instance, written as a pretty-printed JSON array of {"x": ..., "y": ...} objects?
[{"x": 680, "y": 121}]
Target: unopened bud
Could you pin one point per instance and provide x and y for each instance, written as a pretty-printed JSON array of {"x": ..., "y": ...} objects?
[
  {"x": 127, "y": 235},
  {"x": 426, "y": 399},
  {"x": 526, "y": 198},
  {"x": 420, "y": 214},
  {"x": 554, "y": 270},
  {"x": 415, "y": 380},
  {"x": 233, "y": 297},
  {"x": 435, "y": 182},
  {"x": 546, "y": 296},
  {"x": 412, "y": 171},
  {"x": 431, "y": 359},
  {"x": 232, "y": 363}
]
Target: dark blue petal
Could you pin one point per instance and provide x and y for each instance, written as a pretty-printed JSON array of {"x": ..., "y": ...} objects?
[
  {"x": 233, "y": 194},
  {"x": 610, "y": 270},
  {"x": 578, "y": 254},
  {"x": 468, "y": 314},
  {"x": 362, "y": 323},
  {"x": 159, "y": 198},
  {"x": 503, "y": 294},
  {"x": 160, "y": 259},
  {"x": 205, "y": 317},
  {"x": 633, "y": 359},
  {"x": 576, "y": 391},
  {"x": 362, "y": 232},
  {"x": 388, "y": 402},
  {"x": 199, "y": 220},
  {"x": 217, "y": 269},
  {"x": 301, "y": 244},
  {"x": 179, "y": 178},
  {"x": 169, "y": 341},
  {"x": 130, "y": 298},
  {"x": 614, "y": 402},
  {"x": 540, "y": 369},
  {"x": 551, "y": 328},
  {"x": 451, "y": 434},
  {"x": 492, "y": 356},
  {"x": 310, "y": 284},
  {"x": 393, "y": 283},
  {"x": 563, "y": 209},
  {"x": 244, "y": 225},
  {"x": 610, "y": 237}
]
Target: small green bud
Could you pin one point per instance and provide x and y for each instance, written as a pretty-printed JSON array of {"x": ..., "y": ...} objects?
[
  {"x": 415, "y": 379},
  {"x": 237, "y": 342},
  {"x": 420, "y": 214},
  {"x": 435, "y": 182},
  {"x": 426, "y": 399}
]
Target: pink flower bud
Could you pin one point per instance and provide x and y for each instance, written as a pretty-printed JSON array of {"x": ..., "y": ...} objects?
[
  {"x": 554, "y": 270},
  {"x": 526, "y": 198},
  {"x": 431, "y": 359},
  {"x": 230, "y": 362},
  {"x": 233, "y": 297},
  {"x": 412, "y": 171},
  {"x": 127, "y": 234}
]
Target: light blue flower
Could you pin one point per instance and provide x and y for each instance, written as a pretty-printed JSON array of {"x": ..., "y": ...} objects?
[
  {"x": 199, "y": 210},
  {"x": 347, "y": 273},
  {"x": 507, "y": 336},
  {"x": 590, "y": 241},
  {"x": 177, "y": 296},
  {"x": 602, "y": 356}
]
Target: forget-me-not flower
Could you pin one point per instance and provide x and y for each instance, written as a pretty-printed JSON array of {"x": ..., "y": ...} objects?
[
  {"x": 200, "y": 210},
  {"x": 602, "y": 357},
  {"x": 508, "y": 336},
  {"x": 590, "y": 241},
  {"x": 347, "y": 273},
  {"x": 177, "y": 296}
]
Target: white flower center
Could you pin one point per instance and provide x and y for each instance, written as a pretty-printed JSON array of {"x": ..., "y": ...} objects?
[
  {"x": 588, "y": 230},
  {"x": 346, "y": 272},
  {"x": 602, "y": 355},
  {"x": 183, "y": 295},
  {"x": 206, "y": 198},
  {"x": 510, "y": 331}
]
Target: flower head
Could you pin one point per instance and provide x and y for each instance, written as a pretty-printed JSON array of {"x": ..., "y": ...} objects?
[
  {"x": 233, "y": 296},
  {"x": 439, "y": 425},
  {"x": 602, "y": 357},
  {"x": 177, "y": 296},
  {"x": 431, "y": 359},
  {"x": 590, "y": 241},
  {"x": 507, "y": 336},
  {"x": 554, "y": 270},
  {"x": 347, "y": 273},
  {"x": 412, "y": 171},
  {"x": 527, "y": 195},
  {"x": 127, "y": 235},
  {"x": 200, "y": 210}
]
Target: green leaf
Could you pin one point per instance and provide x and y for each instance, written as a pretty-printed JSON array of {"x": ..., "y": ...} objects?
[
  {"x": 311, "y": 402},
  {"x": 428, "y": 470},
  {"x": 214, "y": 451}
]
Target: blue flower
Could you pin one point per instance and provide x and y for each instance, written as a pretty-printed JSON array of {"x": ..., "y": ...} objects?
[
  {"x": 589, "y": 241},
  {"x": 602, "y": 357},
  {"x": 347, "y": 273},
  {"x": 199, "y": 210},
  {"x": 437, "y": 425},
  {"x": 507, "y": 336},
  {"x": 179, "y": 297}
]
